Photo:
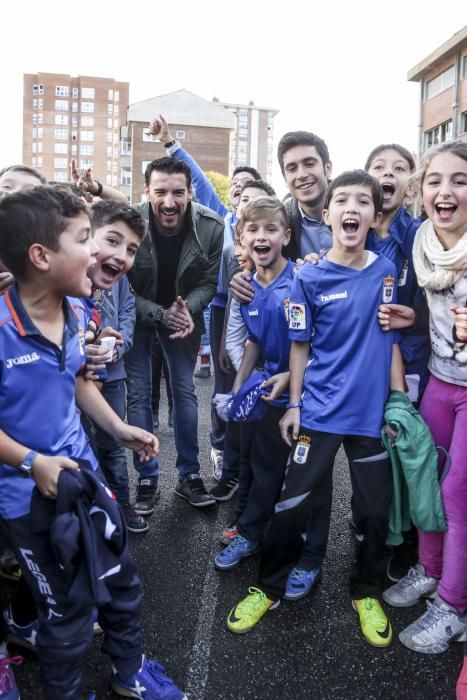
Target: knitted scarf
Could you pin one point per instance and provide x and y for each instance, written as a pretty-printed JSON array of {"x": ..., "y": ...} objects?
[{"x": 435, "y": 267}]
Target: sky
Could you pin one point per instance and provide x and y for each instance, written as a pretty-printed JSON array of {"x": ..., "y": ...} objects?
[{"x": 337, "y": 68}]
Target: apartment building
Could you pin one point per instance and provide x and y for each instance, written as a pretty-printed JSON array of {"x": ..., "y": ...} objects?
[
  {"x": 252, "y": 143},
  {"x": 78, "y": 117},
  {"x": 204, "y": 129},
  {"x": 443, "y": 92}
]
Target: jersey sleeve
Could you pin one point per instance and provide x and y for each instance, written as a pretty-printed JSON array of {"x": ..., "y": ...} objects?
[{"x": 300, "y": 319}]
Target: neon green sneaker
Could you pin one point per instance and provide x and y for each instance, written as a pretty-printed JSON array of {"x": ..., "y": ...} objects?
[
  {"x": 249, "y": 611},
  {"x": 374, "y": 624}
]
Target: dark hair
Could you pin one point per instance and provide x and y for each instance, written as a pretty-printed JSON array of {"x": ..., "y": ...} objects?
[
  {"x": 24, "y": 169},
  {"x": 247, "y": 169},
  {"x": 403, "y": 152},
  {"x": 36, "y": 215},
  {"x": 301, "y": 138},
  {"x": 104, "y": 213},
  {"x": 259, "y": 185},
  {"x": 171, "y": 166},
  {"x": 357, "y": 177}
]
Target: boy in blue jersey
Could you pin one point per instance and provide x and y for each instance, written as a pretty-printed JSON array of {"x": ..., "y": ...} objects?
[
  {"x": 341, "y": 368},
  {"x": 264, "y": 231},
  {"x": 45, "y": 241}
]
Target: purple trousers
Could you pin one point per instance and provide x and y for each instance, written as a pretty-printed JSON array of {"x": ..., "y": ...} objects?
[{"x": 444, "y": 555}]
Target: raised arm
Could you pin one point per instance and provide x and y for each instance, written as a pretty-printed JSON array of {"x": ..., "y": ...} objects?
[{"x": 84, "y": 178}]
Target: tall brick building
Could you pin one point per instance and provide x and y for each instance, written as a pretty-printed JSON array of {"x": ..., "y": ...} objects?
[
  {"x": 78, "y": 117},
  {"x": 443, "y": 92},
  {"x": 203, "y": 128}
]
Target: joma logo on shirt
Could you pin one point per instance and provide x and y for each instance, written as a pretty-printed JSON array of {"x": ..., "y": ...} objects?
[
  {"x": 22, "y": 360},
  {"x": 332, "y": 297}
]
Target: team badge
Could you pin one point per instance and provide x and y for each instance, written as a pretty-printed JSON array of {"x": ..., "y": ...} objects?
[
  {"x": 286, "y": 308},
  {"x": 297, "y": 317},
  {"x": 97, "y": 294},
  {"x": 388, "y": 289},
  {"x": 81, "y": 340},
  {"x": 403, "y": 274},
  {"x": 301, "y": 450}
]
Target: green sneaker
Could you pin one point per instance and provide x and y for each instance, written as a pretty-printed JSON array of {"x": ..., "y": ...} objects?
[
  {"x": 249, "y": 611},
  {"x": 374, "y": 624}
]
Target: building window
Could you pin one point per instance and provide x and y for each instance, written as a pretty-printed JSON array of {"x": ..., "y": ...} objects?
[
  {"x": 463, "y": 122},
  {"x": 116, "y": 96},
  {"x": 74, "y": 107},
  {"x": 75, "y": 93},
  {"x": 144, "y": 165},
  {"x": 109, "y": 151},
  {"x": 149, "y": 138},
  {"x": 439, "y": 134},
  {"x": 125, "y": 176},
  {"x": 87, "y": 106},
  {"x": 74, "y": 149},
  {"x": 38, "y": 89},
  {"x": 109, "y": 166},
  {"x": 60, "y": 176},
  {"x": 86, "y": 163},
  {"x": 61, "y": 148},
  {"x": 40, "y": 103},
  {"x": 39, "y": 146},
  {"x": 60, "y": 162},
  {"x": 443, "y": 81},
  {"x": 37, "y": 162},
  {"x": 61, "y": 134},
  {"x": 40, "y": 118},
  {"x": 108, "y": 179},
  {"x": 86, "y": 149},
  {"x": 34, "y": 118},
  {"x": 243, "y": 113},
  {"x": 87, "y": 136},
  {"x": 110, "y": 109},
  {"x": 74, "y": 122},
  {"x": 61, "y": 91},
  {"x": 125, "y": 148},
  {"x": 87, "y": 121},
  {"x": 109, "y": 123},
  {"x": 180, "y": 134},
  {"x": 88, "y": 93},
  {"x": 34, "y": 103},
  {"x": 109, "y": 137},
  {"x": 61, "y": 119},
  {"x": 110, "y": 95},
  {"x": 116, "y": 110},
  {"x": 61, "y": 105}
]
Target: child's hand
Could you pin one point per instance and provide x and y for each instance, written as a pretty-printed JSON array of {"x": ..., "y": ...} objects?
[
  {"x": 290, "y": 425},
  {"x": 46, "y": 470},
  {"x": 460, "y": 322},
  {"x": 393, "y": 317},
  {"x": 138, "y": 440},
  {"x": 312, "y": 258},
  {"x": 241, "y": 288},
  {"x": 278, "y": 383},
  {"x": 94, "y": 361},
  {"x": 109, "y": 332},
  {"x": 158, "y": 127}
]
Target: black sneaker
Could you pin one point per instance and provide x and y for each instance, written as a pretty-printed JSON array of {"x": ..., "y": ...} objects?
[
  {"x": 224, "y": 489},
  {"x": 134, "y": 522},
  {"x": 192, "y": 488},
  {"x": 403, "y": 557},
  {"x": 147, "y": 493}
]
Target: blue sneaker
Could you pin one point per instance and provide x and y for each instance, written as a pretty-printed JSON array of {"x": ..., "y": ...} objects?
[
  {"x": 8, "y": 688},
  {"x": 238, "y": 549},
  {"x": 300, "y": 583},
  {"x": 21, "y": 636},
  {"x": 150, "y": 683}
]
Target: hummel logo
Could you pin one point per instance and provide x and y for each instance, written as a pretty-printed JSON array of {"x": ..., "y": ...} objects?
[{"x": 22, "y": 360}]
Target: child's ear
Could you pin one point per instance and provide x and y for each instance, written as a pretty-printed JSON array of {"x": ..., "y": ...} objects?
[
  {"x": 190, "y": 193},
  {"x": 39, "y": 257},
  {"x": 288, "y": 233},
  {"x": 378, "y": 219},
  {"x": 326, "y": 218}
]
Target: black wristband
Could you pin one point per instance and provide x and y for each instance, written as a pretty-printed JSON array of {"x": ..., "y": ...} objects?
[
  {"x": 169, "y": 144},
  {"x": 100, "y": 187}
]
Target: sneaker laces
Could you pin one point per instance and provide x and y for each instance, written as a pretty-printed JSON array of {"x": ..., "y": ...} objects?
[
  {"x": 7, "y": 680},
  {"x": 237, "y": 542},
  {"x": 412, "y": 578},
  {"x": 297, "y": 573},
  {"x": 144, "y": 490},
  {"x": 373, "y": 612},
  {"x": 197, "y": 486},
  {"x": 255, "y": 598}
]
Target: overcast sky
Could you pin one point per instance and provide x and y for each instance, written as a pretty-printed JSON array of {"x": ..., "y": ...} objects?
[{"x": 338, "y": 68}]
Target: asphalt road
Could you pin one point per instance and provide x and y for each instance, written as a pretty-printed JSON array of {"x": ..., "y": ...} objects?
[{"x": 307, "y": 650}]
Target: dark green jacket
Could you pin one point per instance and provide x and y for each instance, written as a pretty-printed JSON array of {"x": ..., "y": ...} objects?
[
  {"x": 416, "y": 494},
  {"x": 197, "y": 272}
]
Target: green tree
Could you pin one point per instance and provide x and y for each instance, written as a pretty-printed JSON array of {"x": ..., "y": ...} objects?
[{"x": 221, "y": 185}]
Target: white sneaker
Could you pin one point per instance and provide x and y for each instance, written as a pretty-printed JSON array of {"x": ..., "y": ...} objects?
[
  {"x": 217, "y": 459},
  {"x": 411, "y": 588},
  {"x": 435, "y": 630}
]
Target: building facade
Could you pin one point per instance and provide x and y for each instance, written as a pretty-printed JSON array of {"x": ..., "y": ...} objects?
[
  {"x": 204, "y": 129},
  {"x": 443, "y": 92},
  {"x": 78, "y": 117},
  {"x": 252, "y": 143}
]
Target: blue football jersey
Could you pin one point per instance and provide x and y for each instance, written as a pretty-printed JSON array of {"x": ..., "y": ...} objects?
[{"x": 347, "y": 380}]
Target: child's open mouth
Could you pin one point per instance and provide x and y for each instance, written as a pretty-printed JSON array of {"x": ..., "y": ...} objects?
[
  {"x": 262, "y": 250},
  {"x": 350, "y": 225},
  {"x": 109, "y": 270},
  {"x": 388, "y": 190},
  {"x": 445, "y": 210}
]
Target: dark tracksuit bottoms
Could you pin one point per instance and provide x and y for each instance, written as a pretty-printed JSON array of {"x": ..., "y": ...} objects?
[
  {"x": 66, "y": 628},
  {"x": 305, "y": 483}
]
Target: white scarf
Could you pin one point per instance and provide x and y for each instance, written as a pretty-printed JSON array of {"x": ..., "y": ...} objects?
[{"x": 435, "y": 267}]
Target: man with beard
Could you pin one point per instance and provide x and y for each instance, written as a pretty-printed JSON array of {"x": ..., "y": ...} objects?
[{"x": 174, "y": 278}]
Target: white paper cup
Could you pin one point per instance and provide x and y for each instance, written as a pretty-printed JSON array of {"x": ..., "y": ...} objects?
[{"x": 109, "y": 345}]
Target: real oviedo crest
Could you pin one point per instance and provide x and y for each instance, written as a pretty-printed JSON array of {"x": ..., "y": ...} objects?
[{"x": 388, "y": 289}]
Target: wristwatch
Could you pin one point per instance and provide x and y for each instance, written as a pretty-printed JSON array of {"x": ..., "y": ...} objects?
[
  {"x": 169, "y": 144},
  {"x": 158, "y": 314},
  {"x": 294, "y": 404},
  {"x": 25, "y": 468}
]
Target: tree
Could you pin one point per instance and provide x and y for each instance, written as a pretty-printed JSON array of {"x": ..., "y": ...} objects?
[{"x": 221, "y": 185}]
